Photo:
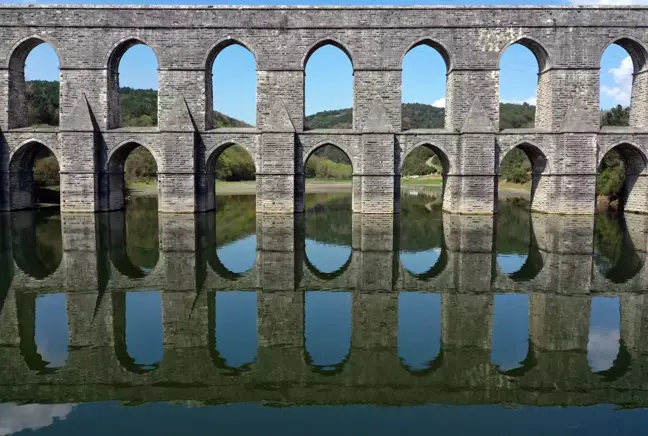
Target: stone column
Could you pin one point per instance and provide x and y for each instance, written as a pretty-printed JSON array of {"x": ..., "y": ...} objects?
[
  {"x": 375, "y": 184},
  {"x": 275, "y": 177},
  {"x": 285, "y": 85},
  {"x": 381, "y": 83}
]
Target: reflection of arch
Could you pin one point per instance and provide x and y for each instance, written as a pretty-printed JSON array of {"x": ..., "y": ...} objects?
[
  {"x": 431, "y": 366},
  {"x": 324, "y": 275},
  {"x": 534, "y": 262},
  {"x": 439, "y": 47},
  {"x": 434, "y": 271},
  {"x": 25, "y": 245},
  {"x": 119, "y": 334},
  {"x": 17, "y": 101},
  {"x": 112, "y": 63},
  {"x": 210, "y": 251},
  {"x": 539, "y": 166},
  {"x": 620, "y": 366},
  {"x": 26, "y": 312},
  {"x": 217, "y": 359},
  {"x": 212, "y": 54},
  {"x": 529, "y": 362},
  {"x": 628, "y": 264},
  {"x": 119, "y": 247},
  {"x": 327, "y": 41},
  {"x": 538, "y": 49},
  {"x": 634, "y": 192}
]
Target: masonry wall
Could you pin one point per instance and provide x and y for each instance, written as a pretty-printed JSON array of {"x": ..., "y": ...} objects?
[{"x": 568, "y": 42}]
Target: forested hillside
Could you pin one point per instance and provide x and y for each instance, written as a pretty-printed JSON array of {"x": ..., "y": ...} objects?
[{"x": 139, "y": 108}]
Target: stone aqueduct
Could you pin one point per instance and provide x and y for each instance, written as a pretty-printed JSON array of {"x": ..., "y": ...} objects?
[{"x": 565, "y": 146}]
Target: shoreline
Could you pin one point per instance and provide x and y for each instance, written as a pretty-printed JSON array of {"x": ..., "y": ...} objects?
[{"x": 142, "y": 189}]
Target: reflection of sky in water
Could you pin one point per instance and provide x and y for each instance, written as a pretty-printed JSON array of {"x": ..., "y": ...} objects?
[
  {"x": 327, "y": 258},
  {"x": 510, "y": 263},
  {"x": 238, "y": 256},
  {"x": 236, "y": 327},
  {"x": 15, "y": 417},
  {"x": 52, "y": 329},
  {"x": 144, "y": 336},
  {"x": 419, "y": 328},
  {"x": 421, "y": 261},
  {"x": 604, "y": 333},
  {"x": 328, "y": 326},
  {"x": 510, "y": 330}
]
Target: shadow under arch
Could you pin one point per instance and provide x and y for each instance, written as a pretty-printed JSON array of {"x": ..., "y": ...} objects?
[
  {"x": 635, "y": 49},
  {"x": 210, "y": 169},
  {"x": 22, "y": 192},
  {"x": 628, "y": 262},
  {"x": 620, "y": 367},
  {"x": 118, "y": 243},
  {"x": 634, "y": 192},
  {"x": 17, "y": 102},
  {"x": 119, "y": 335},
  {"x": 116, "y": 168},
  {"x": 112, "y": 69},
  {"x": 216, "y": 357},
  {"x": 539, "y": 166},
  {"x": 35, "y": 259},
  {"x": 26, "y": 312}
]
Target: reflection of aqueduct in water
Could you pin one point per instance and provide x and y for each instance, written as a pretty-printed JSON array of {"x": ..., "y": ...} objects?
[
  {"x": 555, "y": 371},
  {"x": 565, "y": 147}
]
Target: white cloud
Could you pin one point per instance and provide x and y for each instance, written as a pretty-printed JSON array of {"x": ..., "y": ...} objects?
[
  {"x": 622, "y": 76},
  {"x": 14, "y": 417},
  {"x": 602, "y": 348},
  {"x": 439, "y": 103},
  {"x": 530, "y": 100}
]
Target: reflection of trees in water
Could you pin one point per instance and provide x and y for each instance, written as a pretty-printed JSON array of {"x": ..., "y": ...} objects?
[
  {"x": 49, "y": 240},
  {"x": 421, "y": 223},
  {"x": 235, "y": 218},
  {"x": 615, "y": 255},
  {"x": 328, "y": 218},
  {"x": 514, "y": 233},
  {"x": 142, "y": 244}
]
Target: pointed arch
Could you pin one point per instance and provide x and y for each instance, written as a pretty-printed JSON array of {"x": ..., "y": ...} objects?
[
  {"x": 113, "y": 61},
  {"x": 432, "y": 43},
  {"x": 116, "y": 167},
  {"x": 538, "y": 166},
  {"x": 21, "y": 172},
  {"x": 213, "y": 53},
  {"x": 633, "y": 192},
  {"x": 327, "y": 41},
  {"x": 535, "y": 47},
  {"x": 245, "y": 172},
  {"x": 17, "y": 104}
]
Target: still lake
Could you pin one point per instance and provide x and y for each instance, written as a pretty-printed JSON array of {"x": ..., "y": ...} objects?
[{"x": 324, "y": 323}]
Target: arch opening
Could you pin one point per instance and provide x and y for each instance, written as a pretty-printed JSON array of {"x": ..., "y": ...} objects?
[
  {"x": 511, "y": 344},
  {"x": 43, "y": 330},
  {"x": 229, "y": 163},
  {"x": 426, "y": 165},
  {"x": 328, "y": 87},
  {"x": 327, "y": 331},
  {"x": 419, "y": 331},
  {"x": 34, "y": 177},
  {"x": 231, "y": 87},
  {"x": 34, "y": 85},
  {"x": 623, "y": 81},
  {"x": 424, "y": 83},
  {"x": 622, "y": 183},
  {"x": 132, "y": 170},
  {"x": 524, "y": 67},
  {"x": 234, "y": 329},
  {"x": 523, "y": 166},
  {"x": 139, "y": 333},
  {"x": 328, "y": 180},
  {"x": 132, "y": 86},
  {"x": 615, "y": 254}
]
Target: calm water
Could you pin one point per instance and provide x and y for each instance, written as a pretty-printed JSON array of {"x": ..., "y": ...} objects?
[{"x": 328, "y": 323}]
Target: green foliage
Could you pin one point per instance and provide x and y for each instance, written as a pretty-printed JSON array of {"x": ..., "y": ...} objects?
[
  {"x": 42, "y": 102},
  {"x": 46, "y": 170},
  {"x": 337, "y": 119},
  {"x": 138, "y": 107},
  {"x": 516, "y": 116},
  {"x": 421, "y": 161},
  {"x": 140, "y": 166},
  {"x": 235, "y": 164},
  {"x": 222, "y": 120},
  {"x": 323, "y": 168},
  {"x": 611, "y": 175},
  {"x": 617, "y": 116},
  {"x": 516, "y": 167},
  {"x": 422, "y": 116}
]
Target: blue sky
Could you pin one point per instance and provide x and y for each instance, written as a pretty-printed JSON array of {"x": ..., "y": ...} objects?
[{"x": 329, "y": 81}]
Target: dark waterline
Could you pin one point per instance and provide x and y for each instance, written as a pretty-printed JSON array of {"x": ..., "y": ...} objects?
[{"x": 419, "y": 323}]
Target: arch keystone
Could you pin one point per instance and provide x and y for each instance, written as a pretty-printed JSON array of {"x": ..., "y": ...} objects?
[
  {"x": 377, "y": 120},
  {"x": 279, "y": 119},
  {"x": 476, "y": 120}
]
